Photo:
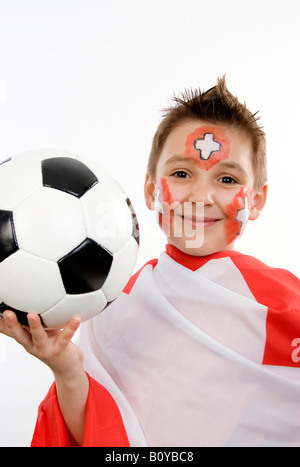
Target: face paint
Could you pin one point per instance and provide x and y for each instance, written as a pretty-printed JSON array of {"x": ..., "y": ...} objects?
[
  {"x": 237, "y": 213},
  {"x": 176, "y": 219},
  {"x": 207, "y": 146},
  {"x": 164, "y": 205}
]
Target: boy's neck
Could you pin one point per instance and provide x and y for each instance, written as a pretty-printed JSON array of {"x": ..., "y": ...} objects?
[{"x": 195, "y": 262}]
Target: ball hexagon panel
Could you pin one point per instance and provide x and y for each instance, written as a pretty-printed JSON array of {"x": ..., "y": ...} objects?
[
  {"x": 68, "y": 175},
  {"x": 49, "y": 223},
  {"x": 19, "y": 178},
  {"x": 8, "y": 241},
  {"x": 121, "y": 269},
  {"x": 86, "y": 268},
  {"x": 85, "y": 305},
  {"x": 108, "y": 218},
  {"x": 37, "y": 291}
]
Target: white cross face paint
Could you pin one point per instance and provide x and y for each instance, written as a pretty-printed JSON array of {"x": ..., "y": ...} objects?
[
  {"x": 158, "y": 204},
  {"x": 207, "y": 146},
  {"x": 243, "y": 215},
  {"x": 237, "y": 213}
]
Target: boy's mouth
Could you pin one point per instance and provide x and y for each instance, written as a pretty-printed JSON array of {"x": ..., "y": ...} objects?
[{"x": 199, "y": 222}]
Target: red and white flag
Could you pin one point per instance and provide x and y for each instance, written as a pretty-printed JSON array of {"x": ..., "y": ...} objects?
[{"x": 201, "y": 351}]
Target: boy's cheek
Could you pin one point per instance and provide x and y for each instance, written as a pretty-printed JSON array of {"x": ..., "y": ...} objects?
[
  {"x": 164, "y": 205},
  {"x": 237, "y": 214},
  {"x": 163, "y": 199},
  {"x": 162, "y": 192},
  {"x": 237, "y": 210}
]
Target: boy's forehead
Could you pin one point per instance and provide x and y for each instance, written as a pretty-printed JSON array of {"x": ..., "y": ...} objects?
[
  {"x": 178, "y": 137},
  {"x": 207, "y": 144}
]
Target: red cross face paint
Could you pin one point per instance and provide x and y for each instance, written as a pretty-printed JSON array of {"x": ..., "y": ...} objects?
[
  {"x": 207, "y": 146},
  {"x": 237, "y": 213}
]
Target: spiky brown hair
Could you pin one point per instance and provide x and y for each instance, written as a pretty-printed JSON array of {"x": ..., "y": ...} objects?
[{"x": 218, "y": 106}]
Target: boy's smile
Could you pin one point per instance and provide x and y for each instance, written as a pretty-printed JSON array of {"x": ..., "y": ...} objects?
[{"x": 204, "y": 188}]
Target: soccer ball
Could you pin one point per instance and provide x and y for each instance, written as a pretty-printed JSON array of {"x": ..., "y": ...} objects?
[{"x": 68, "y": 237}]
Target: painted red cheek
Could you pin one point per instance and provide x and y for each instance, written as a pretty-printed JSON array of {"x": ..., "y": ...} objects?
[
  {"x": 165, "y": 191},
  {"x": 233, "y": 226},
  {"x": 207, "y": 146},
  {"x": 165, "y": 200}
]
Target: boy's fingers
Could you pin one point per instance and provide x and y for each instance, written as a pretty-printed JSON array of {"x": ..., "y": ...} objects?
[
  {"x": 68, "y": 332},
  {"x": 2, "y": 324},
  {"x": 14, "y": 329},
  {"x": 3, "y": 327},
  {"x": 38, "y": 334}
]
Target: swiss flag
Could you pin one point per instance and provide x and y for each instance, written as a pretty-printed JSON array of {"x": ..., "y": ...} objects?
[
  {"x": 283, "y": 339},
  {"x": 279, "y": 290}
]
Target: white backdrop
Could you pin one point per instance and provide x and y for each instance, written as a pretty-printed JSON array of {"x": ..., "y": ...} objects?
[{"x": 91, "y": 76}]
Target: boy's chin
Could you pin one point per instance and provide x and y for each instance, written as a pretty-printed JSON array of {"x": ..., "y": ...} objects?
[{"x": 194, "y": 248}]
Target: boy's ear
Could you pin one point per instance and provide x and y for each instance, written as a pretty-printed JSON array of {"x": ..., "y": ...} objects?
[
  {"x": 149, "y": 190},
  {"x": 259, "y": 201}
]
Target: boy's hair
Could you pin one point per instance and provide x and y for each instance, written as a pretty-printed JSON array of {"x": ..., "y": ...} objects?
[{"x": 218, "y": 106}]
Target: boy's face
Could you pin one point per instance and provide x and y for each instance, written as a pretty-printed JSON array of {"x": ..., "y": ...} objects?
[{"x": 203, "y": 192}]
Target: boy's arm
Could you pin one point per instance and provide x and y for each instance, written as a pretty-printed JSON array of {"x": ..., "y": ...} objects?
[
  {"x": 63, "y": 357},
  {"x": 72, "y": 397}
]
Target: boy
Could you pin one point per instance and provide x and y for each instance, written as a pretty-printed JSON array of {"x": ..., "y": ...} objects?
[{"x": 202, "y": 346}]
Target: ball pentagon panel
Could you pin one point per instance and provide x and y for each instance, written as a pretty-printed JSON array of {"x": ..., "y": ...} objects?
[
  {"x": 49, "y": 223},
  {"x": 21, "y": 315},
  {"x": 86, "y": 268},
  {"x": 68, "y": 175},
  {"x": 8, "y": 241}
]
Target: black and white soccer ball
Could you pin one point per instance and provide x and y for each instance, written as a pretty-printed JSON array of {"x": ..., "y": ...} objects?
[{"x": 68, "y": 237}]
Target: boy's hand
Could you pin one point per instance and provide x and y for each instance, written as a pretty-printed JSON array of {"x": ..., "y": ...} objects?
[
  {"x": 53, "y": 347},
  {"x": 63, "y": 357}
]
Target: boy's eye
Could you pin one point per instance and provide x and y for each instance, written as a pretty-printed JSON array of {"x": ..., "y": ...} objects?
[
  {"x": 227, "y": 180},
  {"x": 181, "y": 174}
]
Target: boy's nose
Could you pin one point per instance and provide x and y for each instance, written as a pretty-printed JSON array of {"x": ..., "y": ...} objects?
[{"x": 203, "y": 193}]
